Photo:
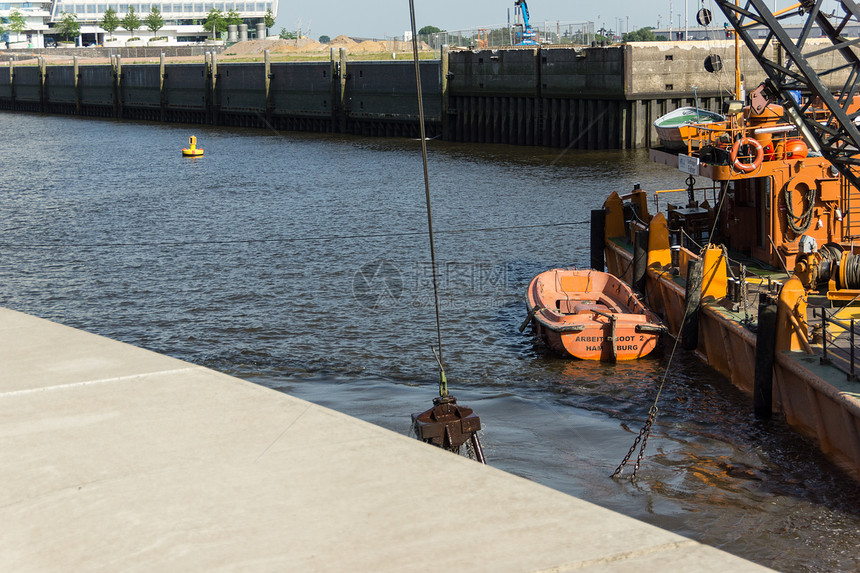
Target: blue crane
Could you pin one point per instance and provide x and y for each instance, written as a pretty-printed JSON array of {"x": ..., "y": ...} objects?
[{"x": 525, "y": 36}]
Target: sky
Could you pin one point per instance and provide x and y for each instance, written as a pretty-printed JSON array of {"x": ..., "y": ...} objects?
[{"x": 386, "y": 18}]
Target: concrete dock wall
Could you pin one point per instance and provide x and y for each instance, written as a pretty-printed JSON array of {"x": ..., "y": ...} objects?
[
  {"x": 584, "y": 98},
  {"x": 302, "y": 95}
]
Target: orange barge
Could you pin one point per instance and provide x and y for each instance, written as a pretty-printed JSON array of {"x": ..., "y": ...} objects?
[
  {"x": 779, "y": 238},
  {"x": 591, "y": 315}
]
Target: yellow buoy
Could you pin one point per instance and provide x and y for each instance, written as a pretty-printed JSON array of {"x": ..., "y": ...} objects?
[{"x": 192, "y": 151}]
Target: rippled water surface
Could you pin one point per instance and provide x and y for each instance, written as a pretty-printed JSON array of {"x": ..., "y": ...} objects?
[{"x": 301, "y": 262}]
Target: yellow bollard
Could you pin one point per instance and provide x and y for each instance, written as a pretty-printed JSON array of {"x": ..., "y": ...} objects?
[{"x": 714, "y": 275}]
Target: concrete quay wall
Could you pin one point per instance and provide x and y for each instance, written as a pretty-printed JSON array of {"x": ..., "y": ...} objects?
[
  {"x": 585, "y": 98},
  {"x": 117, "y": 458}
]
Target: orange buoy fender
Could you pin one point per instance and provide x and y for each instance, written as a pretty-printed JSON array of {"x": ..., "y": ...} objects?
[
  {"x": 746, "y": 167},
  {"x": 795, "y": 149}
]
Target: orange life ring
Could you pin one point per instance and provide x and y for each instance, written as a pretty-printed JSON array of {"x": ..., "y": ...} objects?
[{"x": 746, "y": 167}]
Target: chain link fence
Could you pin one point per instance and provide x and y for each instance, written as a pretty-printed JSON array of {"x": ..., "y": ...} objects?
[{"x": 548, "y": 33}]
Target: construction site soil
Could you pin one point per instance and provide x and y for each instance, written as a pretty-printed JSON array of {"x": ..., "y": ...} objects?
[{"x": 279, "y": 50}]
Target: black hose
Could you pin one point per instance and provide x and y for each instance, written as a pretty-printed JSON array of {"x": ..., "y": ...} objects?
[{"x": 805, "y": 218}]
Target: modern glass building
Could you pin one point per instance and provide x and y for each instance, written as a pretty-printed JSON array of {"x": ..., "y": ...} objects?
[{"x": 183, "y": 21}]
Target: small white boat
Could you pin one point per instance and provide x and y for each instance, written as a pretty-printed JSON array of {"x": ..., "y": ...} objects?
[{"x": 676, "y": 127}]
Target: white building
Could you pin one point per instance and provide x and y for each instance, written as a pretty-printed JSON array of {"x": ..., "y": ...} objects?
[
  {"x": 183, "y": 21},
  {"x": 36, "y": 14}
]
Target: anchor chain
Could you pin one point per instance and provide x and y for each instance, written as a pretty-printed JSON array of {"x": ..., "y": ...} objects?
[{"x": 643, "y": 437}]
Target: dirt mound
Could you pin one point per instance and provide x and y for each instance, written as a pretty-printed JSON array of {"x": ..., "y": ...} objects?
[
  {"x": 282, "y": 48},
  {"x": 312, "y": 46},
  {"x": 306, "y": 45},
  {"x": 252, "y": 47},
  {"x": 343, "y": 41}
]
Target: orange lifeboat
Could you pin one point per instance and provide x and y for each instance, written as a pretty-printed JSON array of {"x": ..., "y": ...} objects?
[{"x": 591, "y": 315}]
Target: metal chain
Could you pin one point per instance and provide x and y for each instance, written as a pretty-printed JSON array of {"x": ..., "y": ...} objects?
[
  {"x": 643, "y": 437},
  {"x": 652, "y": 413},
  {"x": 646, "y": 431}
]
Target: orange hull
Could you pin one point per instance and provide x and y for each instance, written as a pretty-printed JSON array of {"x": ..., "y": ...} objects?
[{"x": 591, "y": 315}]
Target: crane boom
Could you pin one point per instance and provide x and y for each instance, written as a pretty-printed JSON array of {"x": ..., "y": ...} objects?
[
  {"x": 526, "y": 37},
  {"x": 838, "y": 138}
]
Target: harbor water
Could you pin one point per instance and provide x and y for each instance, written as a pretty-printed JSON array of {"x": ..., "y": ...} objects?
[{"x": 301, "y": 262}]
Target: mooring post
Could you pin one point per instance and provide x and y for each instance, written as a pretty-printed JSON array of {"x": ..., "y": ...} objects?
[
  {"x": 342, "y": 93},
  {"x": 117, "y": 87},
  {"x": 443, "y": 60},
  {"x": 640, "y": 261},
  {"x": 162, "y": 99},
  {"x": 764, "y": 356},
  {"x": 598, "y": 239},
  {"x": 267, "y": 63},
  {"x": 11, "y": 85},
  {"x": 43, "y": 73},
  {"x": 77, "y": 73},
  {"x": 213, "y": 87},
  {"x": 333, "y": 90},
  {"x": 689, "y": 330}
]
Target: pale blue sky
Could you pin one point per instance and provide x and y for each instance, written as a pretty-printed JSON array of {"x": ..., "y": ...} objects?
[{"x": 380, "y": 18}]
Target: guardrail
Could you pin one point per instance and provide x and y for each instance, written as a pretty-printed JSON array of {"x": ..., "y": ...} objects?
[{"x": 837, "y": 354}]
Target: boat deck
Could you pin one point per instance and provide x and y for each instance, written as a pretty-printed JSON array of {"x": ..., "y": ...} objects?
[
  {"x": 814, "y": 388},
  {"x": 842, "y": 351}
]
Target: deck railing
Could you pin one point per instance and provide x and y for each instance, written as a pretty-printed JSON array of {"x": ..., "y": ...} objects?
[{"x": 834, "y": 353}]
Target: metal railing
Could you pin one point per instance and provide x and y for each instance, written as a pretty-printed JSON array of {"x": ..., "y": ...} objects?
[{"x": 845, "y": 358}]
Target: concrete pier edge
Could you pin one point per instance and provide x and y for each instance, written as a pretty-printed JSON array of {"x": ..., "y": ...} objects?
[{"x": 120, "y": 458}]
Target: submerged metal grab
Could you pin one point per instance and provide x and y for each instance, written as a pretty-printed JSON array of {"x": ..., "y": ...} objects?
[
  {"x": 446, "y": 424},
  {"x": 449, "y": 426}
]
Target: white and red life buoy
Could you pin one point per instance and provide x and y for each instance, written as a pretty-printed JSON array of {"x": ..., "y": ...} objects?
[{"x": 747, "y": 167}]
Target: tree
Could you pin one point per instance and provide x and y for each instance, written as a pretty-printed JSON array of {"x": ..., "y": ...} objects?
[
  {"x": 68, "y": 27},
  {"x": 427, "y": 30},
  {"x": 17, "y": 23},
  {"x": 233, "y": 18},
  {"x": 324, "y": 39},
  {"x": 285, "y": 35},
  {"x": 131, "y": 22},
  {"x": 110, "y": 21},
  {"x": 645, "y": 34},
  {"x": 269, "y": 19},
  {"x": 215, "y": 23},
  {"x": 153, "y": 20}
]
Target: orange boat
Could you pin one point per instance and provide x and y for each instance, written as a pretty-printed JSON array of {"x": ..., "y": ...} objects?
[{"x": 590, "y": 315}]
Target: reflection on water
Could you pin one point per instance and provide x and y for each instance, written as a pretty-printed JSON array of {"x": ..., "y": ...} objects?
[{"x": 301, "y": 262}]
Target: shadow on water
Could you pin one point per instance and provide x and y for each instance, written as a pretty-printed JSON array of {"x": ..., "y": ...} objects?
[{"x": 300, "y": 262}]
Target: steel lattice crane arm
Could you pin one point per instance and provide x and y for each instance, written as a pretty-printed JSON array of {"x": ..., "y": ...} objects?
[{"x": 837, "y": 136}]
